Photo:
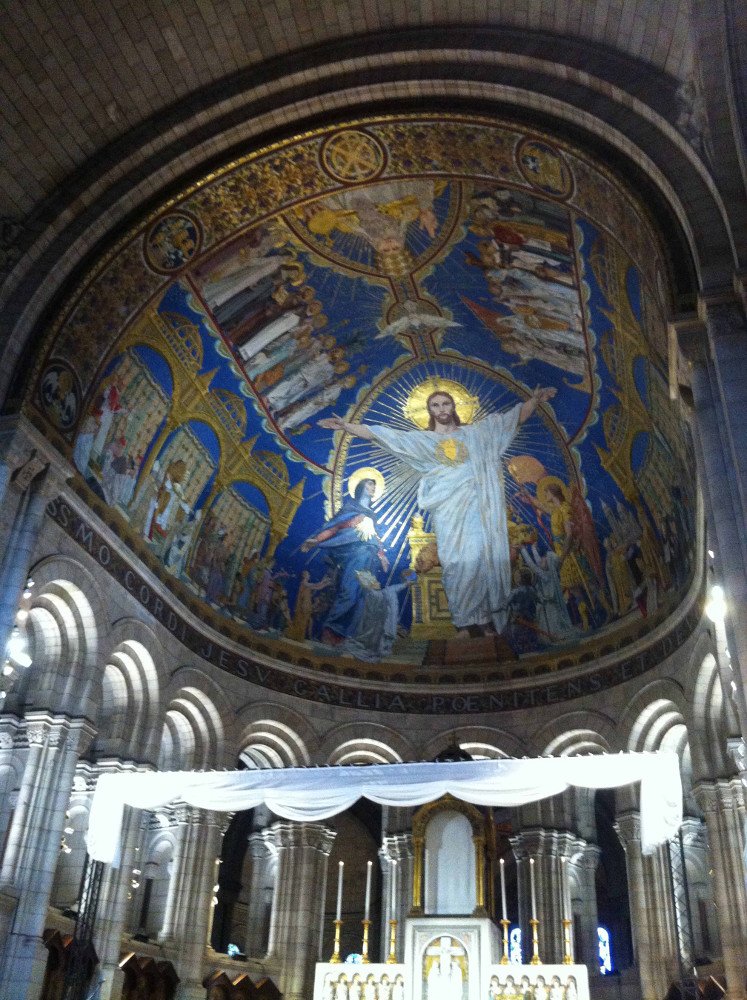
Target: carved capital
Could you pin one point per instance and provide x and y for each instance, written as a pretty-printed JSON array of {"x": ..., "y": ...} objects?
[
  {"x": 550, "y": 843},
  {"x": 706, "y": 794},
  {"x": 628, "y": 829},
  {"x": 721, "y": 796},
  {"x": 738, "y": 752},
  {"x": 260, "y": 844},
  {"x": 36, "y": 735},
  {"x": 287, "y": 836},
  {"x": 397, "y": 847},
  {"x": 59, "y": 733},
  {"x": 586, "y": 855},
  {"x": 25, "y": 474}
]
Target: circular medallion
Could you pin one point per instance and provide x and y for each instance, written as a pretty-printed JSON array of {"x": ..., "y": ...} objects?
[
  {"x": 59, "y": 393},
  {"x": 172, "y": 242},
  {"x": 544, "y": 167},
  {"x": 352, "y": 156}
]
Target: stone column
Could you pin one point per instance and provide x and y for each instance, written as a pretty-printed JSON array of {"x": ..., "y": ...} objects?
[
  {"x": 694, "y": 849},
  {"x": 17, "y": 560},
  {"x": 547, "y": 848},
  {"x": 723, "y": 804},
  {"x": 33, "y": 844},
  {"x": 11, "y": 733},
  {"x": 396, "y": 847},
  {"x": 652, "y": 917},
  {"x": 298, "y": 906},
  {"x": 719, "y": 399},
  {"x": 582, "y": 869},
  {"x": 189, "y": 904},
  {"x": 263, "y": 854},
  {"x": 114, "y": 902}
]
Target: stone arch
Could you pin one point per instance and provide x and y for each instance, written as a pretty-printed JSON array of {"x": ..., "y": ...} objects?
[
  {"x": 178, "y": 744},
  {"x": 576, "y": 733},
  {"x": 65, "y": 627},
  {"x": 657, "y": 719},
  {"x": 708, "y": 685},
  {"x": 480, "y": 742},
  {"x": 157, "y": 860},
  {"x": 129, "y": 693},
  {"x": 652, "y": 714},
  {"x": 72, "y": 858},
  {"x": 199, "y": 723},
  {"x": 569, "y": 735},
  {"x": 364, "y": 743},
  {"x": 714, "y": 720},
  {"x": 273, "y": 736}
]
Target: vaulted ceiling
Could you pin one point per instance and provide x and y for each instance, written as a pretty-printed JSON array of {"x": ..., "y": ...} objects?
[{"x": 77, "y": 76}]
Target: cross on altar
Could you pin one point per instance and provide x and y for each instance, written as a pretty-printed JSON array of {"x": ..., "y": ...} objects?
[{"x": 445, "y": 978}]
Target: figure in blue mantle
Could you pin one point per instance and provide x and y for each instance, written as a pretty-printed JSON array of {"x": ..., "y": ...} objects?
[{"x": 351, "y": 545}]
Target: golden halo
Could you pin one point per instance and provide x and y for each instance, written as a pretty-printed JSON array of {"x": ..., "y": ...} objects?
[
  {"x": 415, "y": 408},
  {"x": 547, "y": 481},
  {"x": 526, "y": 469},
  {"x": 367, "y": 472}
]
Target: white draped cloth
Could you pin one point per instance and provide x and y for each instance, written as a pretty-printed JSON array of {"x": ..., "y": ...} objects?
[{"x": 308, "y": 795}]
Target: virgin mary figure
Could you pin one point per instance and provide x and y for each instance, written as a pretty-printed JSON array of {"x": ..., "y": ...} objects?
[{"x": 351, "y": 545}]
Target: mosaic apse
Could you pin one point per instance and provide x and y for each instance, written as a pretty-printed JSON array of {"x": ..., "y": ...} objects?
[{"x": 391, "y": 393}]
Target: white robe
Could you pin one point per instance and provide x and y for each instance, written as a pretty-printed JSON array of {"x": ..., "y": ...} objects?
[{"x": 465, "y": 497}]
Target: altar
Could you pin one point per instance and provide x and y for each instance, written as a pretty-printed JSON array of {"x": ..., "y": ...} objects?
[
  {"x": 443, "y": 942},
  {"x": 450, "y": 958}
]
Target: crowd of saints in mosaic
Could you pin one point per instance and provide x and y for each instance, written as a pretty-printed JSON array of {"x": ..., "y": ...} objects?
[{"x": 395, "y": 400}]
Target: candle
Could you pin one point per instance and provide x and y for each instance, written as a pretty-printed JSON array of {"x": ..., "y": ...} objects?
[
  {"x": 340, "y": 867},
  {"x": 503, "y": 889},
  {"x": 369, "y": 867},
  {"x": 531, "y": 883},
  {"x": 393, "y": 904}
]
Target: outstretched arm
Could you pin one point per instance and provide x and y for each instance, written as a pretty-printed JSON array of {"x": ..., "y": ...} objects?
[
  {"x": 338, "y": 424},
  {"x": 537, "y": 397}
]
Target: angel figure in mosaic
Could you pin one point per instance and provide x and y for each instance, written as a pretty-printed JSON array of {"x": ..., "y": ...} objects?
[{"x": 576, "y": 544}]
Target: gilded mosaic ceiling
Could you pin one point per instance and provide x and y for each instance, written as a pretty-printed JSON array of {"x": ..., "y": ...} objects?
[{"x": 392, "y": 393}]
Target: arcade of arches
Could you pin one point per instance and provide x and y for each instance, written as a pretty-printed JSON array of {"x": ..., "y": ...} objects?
[{"x": 371, "y": 389}]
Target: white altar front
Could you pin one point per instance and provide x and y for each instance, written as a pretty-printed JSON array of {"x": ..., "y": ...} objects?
[{"x": 450, "y": 958}]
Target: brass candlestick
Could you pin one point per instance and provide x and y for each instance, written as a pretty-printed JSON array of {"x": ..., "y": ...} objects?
[
  {"x": 535, "y": 959},
  {"x": 392, "y": 959},
  {"x": 505, "y": 925},
  {"x": 568, "y": 950},
  {"x": 335, "y": 959},
  {"x": 365, "y": 960}
]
